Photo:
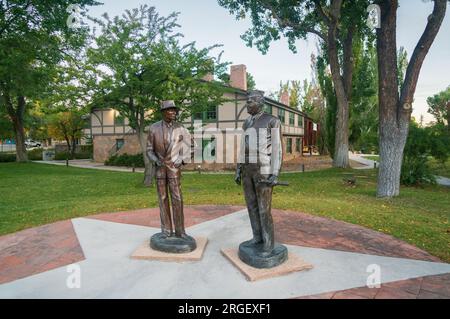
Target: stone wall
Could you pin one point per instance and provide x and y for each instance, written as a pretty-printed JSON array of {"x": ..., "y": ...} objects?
[{"x": 104, "y": 143}]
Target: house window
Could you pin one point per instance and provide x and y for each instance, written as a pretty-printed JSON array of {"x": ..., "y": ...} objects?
[
  {"x": 119, "y": 143},
  {"x": 298, "y": 145},
  {"x": 208, "y": 115},
  {"x": 289, "y": 146},
  {"x": 300, "y": 121},
  {"x": 281, "y": 116},
  {"x": 267, "y": 108},
  {"x": 291, "y": 118},
  {"x": 211, "y": 113},
  {"x": 119, "y": 120}
]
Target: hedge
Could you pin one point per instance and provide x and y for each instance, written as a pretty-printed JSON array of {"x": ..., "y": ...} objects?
[{"x": 128, "y": 160}]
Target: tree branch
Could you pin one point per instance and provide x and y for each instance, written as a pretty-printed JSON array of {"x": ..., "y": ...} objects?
[
  {"x": 322, "y": 13},
  {"x": 421, "y": 50},
  {"x": 286, "y": 23}
]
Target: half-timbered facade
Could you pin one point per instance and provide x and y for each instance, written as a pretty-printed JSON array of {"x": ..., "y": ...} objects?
[{"x": 112, "y": 135}]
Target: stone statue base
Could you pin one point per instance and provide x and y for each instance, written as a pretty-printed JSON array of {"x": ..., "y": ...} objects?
[
  {"x": 293, "y": 264},
  {"x": 145, "y": 252},
  {"x": 172, "y": 244},
  {"x": 253, "y": 255}
]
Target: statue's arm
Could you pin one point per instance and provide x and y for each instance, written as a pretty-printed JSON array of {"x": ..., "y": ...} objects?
[
  {"x": 241, "y": 157},
  {"x": 185, "y": 147},
  {"x": 277, "y": 147},
  {"x": 151, "y": 147}
]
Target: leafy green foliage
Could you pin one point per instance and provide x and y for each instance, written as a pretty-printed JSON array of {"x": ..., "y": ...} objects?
[
  {"x": 326, "y": 86},
  {"x": 364, "y": 100},
  {"x": 128, "y": 160},
  {"x": 439, "y": 107},
  {"x": 415, "y": 168},
  {"x": 140, "y": 62},
  {"x": 7, "y": 157},
  {"x": 34, "y": 39}
]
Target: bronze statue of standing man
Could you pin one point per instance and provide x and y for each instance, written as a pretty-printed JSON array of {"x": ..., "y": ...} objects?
[
  {"x": 258, "y": 170},
  {"x": 165, "y": 148}
]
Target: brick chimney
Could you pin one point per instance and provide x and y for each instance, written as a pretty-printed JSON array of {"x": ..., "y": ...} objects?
[
  {"x": 284, "y": 97},
  {"x": 238, "y": 76},
  {"x": 208, "y": 77}
]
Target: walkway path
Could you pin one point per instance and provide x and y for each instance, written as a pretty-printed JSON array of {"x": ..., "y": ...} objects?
[{"x": 370, "y": 164}]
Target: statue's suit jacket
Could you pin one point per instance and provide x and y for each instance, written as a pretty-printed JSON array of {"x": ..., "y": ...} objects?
[
  {"x": 168, "y": 150},
  {"x": 264, "y": 149}
]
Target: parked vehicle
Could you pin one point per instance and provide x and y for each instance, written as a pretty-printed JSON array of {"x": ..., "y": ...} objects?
[{"x": 31, "y": 143}]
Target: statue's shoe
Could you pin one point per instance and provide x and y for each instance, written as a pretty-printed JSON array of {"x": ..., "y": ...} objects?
[
  {"x": 173, "y": 244},
  {"x": 258, "y": 257},
  {"x": 251, "y": 242}
]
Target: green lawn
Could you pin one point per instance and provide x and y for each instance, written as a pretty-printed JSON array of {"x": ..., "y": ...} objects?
[
  {"x": 33, "y": 194},
  {"x": 372, "y": 157}
]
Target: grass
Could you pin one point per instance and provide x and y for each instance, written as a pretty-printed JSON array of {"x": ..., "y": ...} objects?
[
  {"x": 34, "y": 194},
  {"x": 372, "y": 157}
]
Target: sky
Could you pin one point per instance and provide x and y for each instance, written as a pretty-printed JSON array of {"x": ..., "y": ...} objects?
[{"x": 205, "y": 22}]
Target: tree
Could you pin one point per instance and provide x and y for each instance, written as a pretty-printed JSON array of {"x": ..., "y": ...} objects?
[
  {"x": 251, "y": 84},
  {"x": 326, "y": 88},
  {"x": 335, "y": 22},
  {"x": 394, "y": 105},
  {"x": 67, "y": 126},
  {"x": 6, "y": 128},
  {"x": 140, "y": 62},
  {"x": 364, "y": 112},
  {"x": 439, "y": 107},
  {"x": 33, "y": 38}
]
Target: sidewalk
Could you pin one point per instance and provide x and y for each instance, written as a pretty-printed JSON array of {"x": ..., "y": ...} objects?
[
  {"x": 87, "y": 163},
  {"x": 369, "y": 164}
]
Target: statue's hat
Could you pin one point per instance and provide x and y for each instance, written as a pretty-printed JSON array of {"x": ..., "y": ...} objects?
[
  {"x": 256, "y": 94},
  {"x": 168, "y": 104}
]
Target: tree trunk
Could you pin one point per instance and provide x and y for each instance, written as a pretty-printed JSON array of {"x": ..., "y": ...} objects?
[
  {"x": 392, "y": 144},
  {"x": 340, "y": 158},
  {"x": 17, "y": 119},
  {"x": 21, "y": 151},
  {"x": 149, "y": 171},
  {"x": 73, "y": 148},
  {"x": 390, "y": 141}
]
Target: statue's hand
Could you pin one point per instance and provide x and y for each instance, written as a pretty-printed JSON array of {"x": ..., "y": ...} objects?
[
  {"x": 158, "y": 163},
  {"x": 237, "y": 177},
  {"x": 273, "y": 180},
  {"x": 178, "y": 163}
]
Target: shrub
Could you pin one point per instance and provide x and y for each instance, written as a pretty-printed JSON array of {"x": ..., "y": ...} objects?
[
  {"x": 7, "y": 157},
  {"x": 35, "y": 154},
  {"x": 81, "y": 155},
  {"x": 126, "y": 160},
  {"x": 416, "y": 171},
  {"x": 415, "y": 168}
]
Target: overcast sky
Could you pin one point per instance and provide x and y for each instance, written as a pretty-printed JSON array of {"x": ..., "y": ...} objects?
[{"x": 205, "y": 22}]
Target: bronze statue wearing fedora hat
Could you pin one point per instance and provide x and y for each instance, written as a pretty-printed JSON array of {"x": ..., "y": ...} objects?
[{"x": 165, "y": 148}]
